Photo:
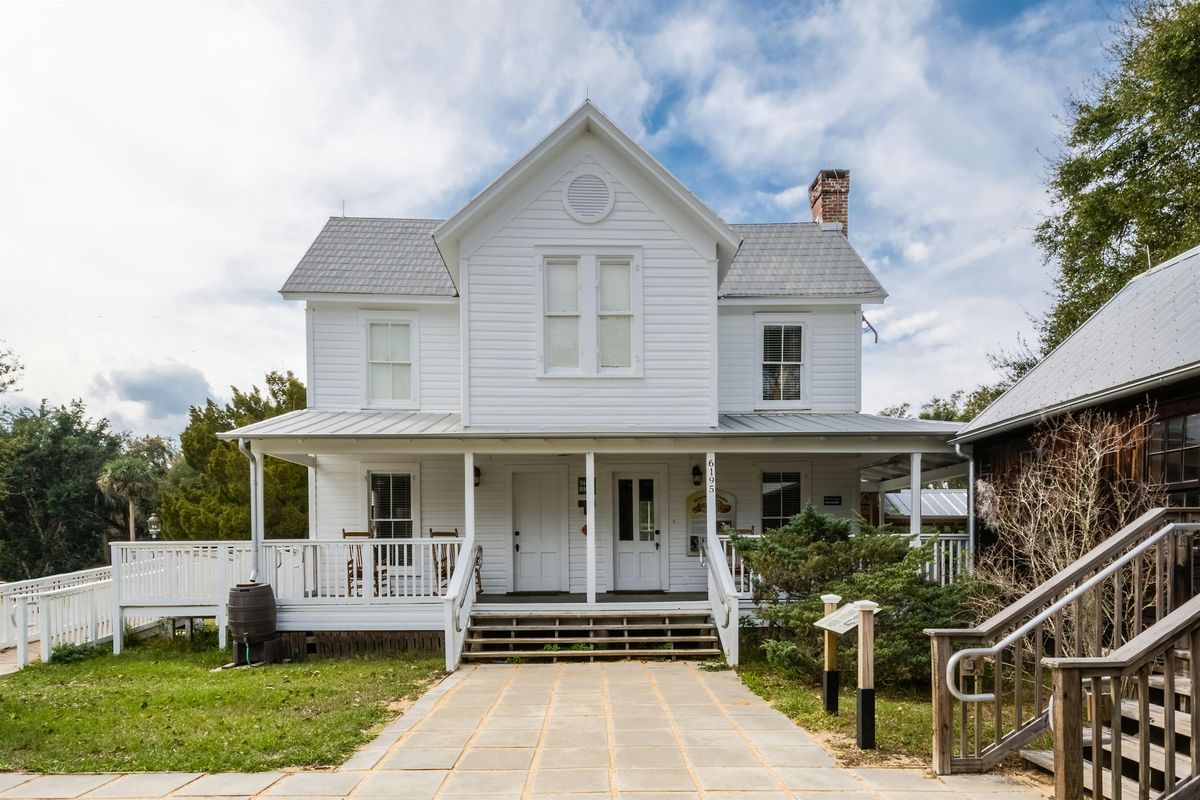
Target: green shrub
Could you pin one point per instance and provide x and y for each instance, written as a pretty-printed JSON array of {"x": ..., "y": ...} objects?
[
  {"x": 74, "y": 653},
  {"x": 816, "y": 554}
]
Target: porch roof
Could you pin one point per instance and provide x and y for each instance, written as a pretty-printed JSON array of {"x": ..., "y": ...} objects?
[{"x": 313, "y": 423}]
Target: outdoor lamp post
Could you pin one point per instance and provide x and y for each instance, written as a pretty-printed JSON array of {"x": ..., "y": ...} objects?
[{"x": 155, "y": 525}]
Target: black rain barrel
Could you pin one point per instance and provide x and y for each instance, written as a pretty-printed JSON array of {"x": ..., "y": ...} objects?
[{"x": 251, "y": 613}]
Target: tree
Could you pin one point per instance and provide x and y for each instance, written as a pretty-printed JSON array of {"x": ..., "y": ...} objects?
[
  {"x": 1064, "y": 500},
  {"x": 816, "y": 553},
  {"x": 206, "y": 493},
  {"x": 52, "y": 514},
  {"x": 1125, "y": 189},
  {"x": 10, "y": 370},
  {"x": 131, "y": 478}
]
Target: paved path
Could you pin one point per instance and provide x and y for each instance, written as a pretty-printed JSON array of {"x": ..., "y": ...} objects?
[{"x": 625, "y": 731}]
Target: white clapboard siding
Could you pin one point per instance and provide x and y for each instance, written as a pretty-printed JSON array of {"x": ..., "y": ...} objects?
[
  {"x": 677, "y": 291},
  {"x": 832, "y": 350},
  {"x": 339, "y": 356},
  {"x": 341, "y": 503}
]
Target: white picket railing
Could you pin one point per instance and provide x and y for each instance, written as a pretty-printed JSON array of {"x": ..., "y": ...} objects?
[
  {"x": 369, "y": 571},
  {"x": 951, "y": 557},
  {"x": 949, "y": 561},
  {"x": 9, "y": 592},
  {"x": 743, "y": 576}
]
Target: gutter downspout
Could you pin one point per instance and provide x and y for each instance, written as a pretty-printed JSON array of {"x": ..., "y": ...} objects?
[
  {"x": 254, "y": 537},
  {"x": 970, "y": 457}
]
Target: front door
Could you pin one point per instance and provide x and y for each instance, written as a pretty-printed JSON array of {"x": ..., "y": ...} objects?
[
  {"x": 539, "y": 531},
  {"x": 639, "y": 547}
]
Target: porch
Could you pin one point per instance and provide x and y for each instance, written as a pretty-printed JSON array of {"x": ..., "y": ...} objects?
[{"x": 420, "y": 532}]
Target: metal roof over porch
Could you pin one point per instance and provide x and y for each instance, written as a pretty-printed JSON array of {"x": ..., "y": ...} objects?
[{"x": 370, "y": 424}]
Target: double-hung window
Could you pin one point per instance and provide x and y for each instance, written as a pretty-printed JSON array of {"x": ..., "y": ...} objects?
[
  {"x": 391, "y": 505},
  {"x": 590, "y": 314},
  {"x": 781, "y": 350},
  {"x": 391, "y": 375},
  {"x": 562, "y": 313},
  {"x": 782, "y": 498},
  {"x": 616, "y": 312}
]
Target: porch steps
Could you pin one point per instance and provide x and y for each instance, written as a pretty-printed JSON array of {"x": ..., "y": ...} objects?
[
  {"x": 591, "y": 634},
  {"x": 1126, "y": 727}
]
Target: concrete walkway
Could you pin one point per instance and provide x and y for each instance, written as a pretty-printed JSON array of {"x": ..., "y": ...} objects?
[{"x": 626, "y": 731}]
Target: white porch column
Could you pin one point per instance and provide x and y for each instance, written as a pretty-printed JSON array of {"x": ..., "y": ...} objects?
[
  {"x": 258, "y": 522},
  {"x": 468, "y": 503},
  {"x": 914, "y": 517},
  {"x": 591, "y": 526}
]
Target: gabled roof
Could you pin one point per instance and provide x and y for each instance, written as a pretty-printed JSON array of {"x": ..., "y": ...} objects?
[
  {"x": 357, "y": 255},
  {"x": 1148, "y": 333},
  {"x": 585, "y": 118},
  {"x": 797, "y": 259}
]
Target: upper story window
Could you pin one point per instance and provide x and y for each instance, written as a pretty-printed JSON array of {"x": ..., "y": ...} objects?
[
  {"x": 562, "y": 313},
  {"x": 391, "y": 373},
  {"x": 590, "y": 314},
  {"x": 1173, "y": 458},
  {"x": 781, "y": 348}
]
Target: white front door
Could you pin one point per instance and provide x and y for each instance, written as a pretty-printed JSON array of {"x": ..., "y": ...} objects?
[
  {"x": 639, "y": 546},
  {"x": 539, "y": 531}
]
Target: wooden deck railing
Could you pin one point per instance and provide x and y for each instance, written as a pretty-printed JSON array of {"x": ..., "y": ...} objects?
[
  {"x": 1100, "y": 686},
  {"x": 991, "y": 687}
]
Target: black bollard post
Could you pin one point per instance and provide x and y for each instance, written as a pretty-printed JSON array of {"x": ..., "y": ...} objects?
[
  {"x": 829, "y": 678},
  {"x": 865, "y": 713}
]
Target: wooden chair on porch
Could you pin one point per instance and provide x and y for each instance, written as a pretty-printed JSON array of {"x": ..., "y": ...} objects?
[
  {"x": 354, "y": 564},
  {"x": 444, "y": 565}
]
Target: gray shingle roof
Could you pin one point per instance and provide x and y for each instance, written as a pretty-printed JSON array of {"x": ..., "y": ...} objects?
[
  {"x": 797, "y": 259},
  {"x": 1150, "y": 328},
  {"x": 357, "y": 255}
]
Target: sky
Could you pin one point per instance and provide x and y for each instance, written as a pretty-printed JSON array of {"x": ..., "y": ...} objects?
[{"x": 164, "y": 166}]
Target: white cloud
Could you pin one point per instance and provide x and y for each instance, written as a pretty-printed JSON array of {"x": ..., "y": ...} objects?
[{"x": 165, "y": 165}]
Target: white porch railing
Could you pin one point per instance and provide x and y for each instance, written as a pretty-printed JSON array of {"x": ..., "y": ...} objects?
[
  {"x": 9, "y": 592},
  {"x": 743, "y": 576},
  {"x": 459, "y": 600},
  {"x": 951, "y": 557},
  {"x": 723, "y": 597},
  {"x": 368, "y": 571}
]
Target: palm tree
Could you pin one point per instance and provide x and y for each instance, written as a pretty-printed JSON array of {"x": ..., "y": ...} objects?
[{"x": 132, "y": 479}]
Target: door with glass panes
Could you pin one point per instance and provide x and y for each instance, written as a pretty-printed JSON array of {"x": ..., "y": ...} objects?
[{"x": 638, "y": 538}]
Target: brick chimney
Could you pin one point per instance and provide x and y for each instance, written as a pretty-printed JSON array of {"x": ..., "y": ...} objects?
[{"x": 829, "y": 196}]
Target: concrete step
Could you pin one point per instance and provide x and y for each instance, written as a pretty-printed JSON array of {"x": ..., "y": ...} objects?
[{"x": 488, "y": 655}]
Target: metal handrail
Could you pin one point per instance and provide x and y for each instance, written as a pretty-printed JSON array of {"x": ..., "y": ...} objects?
[
  {"x": 1030, "y": 625},
  {"x": 717, "y": 578}
]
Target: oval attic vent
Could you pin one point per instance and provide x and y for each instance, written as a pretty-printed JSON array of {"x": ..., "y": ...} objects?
[{"x": 589, "y": 198}]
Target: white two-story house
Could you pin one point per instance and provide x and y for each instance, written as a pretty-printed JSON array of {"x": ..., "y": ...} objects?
[{"x": 574, "y": 383}]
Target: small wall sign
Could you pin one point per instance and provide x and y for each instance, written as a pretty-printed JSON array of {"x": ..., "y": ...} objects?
[
  {"x": 832, "y": 500},
  {"x": 582, "y": 486}
]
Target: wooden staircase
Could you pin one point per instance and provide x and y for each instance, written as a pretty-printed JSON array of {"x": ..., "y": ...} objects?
[
  {"x": 589, "y": 635},
  {"x": 1142, "y": 760}
]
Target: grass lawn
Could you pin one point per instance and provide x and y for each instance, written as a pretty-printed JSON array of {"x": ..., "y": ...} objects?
[
  {"x": 904, "y": 719},
  {"x": 158, "y": 707}
]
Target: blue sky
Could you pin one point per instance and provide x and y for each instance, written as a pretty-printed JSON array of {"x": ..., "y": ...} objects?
[{"x": 163, "y": 166}]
